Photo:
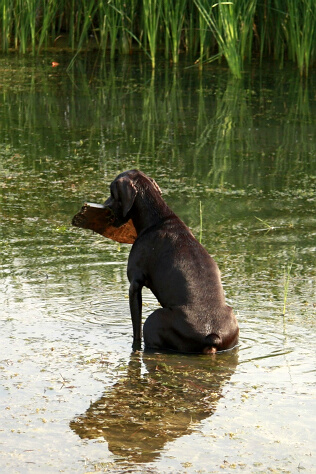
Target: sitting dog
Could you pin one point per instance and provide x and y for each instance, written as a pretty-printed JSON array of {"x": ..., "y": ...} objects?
[{"x": 167, "y": 259}]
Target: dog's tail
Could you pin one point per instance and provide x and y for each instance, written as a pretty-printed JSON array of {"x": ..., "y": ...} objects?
[{"x": 213, "y": 342}]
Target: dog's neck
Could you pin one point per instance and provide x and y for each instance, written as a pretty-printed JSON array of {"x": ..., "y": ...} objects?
[{"x": 148, "y": 213}]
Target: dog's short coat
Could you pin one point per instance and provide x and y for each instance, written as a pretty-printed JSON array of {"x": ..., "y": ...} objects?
[{"x": 167, "y": 259}]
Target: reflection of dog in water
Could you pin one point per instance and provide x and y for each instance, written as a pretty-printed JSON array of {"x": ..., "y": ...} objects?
[{"x": 141, "y": 413}]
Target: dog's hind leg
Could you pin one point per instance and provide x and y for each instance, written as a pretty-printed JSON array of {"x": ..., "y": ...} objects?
[
  {"x": 167, "y": 328},
  {"x": 156, "y": 327}
]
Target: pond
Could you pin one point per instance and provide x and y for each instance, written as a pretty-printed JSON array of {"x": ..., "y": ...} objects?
[{"x": 236, "y": 161}]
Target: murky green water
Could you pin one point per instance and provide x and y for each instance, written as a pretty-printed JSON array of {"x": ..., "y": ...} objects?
[{"x": 74, "y": 398}]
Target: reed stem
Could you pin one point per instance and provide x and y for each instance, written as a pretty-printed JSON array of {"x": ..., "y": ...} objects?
[
  {"x": 286, "y": 276},
  {"x": 201, "y": 222}
]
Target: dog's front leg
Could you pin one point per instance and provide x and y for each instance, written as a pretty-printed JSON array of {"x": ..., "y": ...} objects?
[{"x": 135, "y": 303}]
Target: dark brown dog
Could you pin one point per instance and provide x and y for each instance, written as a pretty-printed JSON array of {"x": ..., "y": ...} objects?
[{"x": 168, "y": 259}]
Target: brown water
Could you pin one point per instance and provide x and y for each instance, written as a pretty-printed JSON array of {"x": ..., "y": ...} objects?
[{"x": 74, "y": 397}]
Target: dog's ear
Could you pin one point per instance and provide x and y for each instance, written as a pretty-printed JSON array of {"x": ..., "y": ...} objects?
[{"x": 126, "y": 192}]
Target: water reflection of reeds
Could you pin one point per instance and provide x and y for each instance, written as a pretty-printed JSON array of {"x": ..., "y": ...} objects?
[{"x": 208, "y": 126}]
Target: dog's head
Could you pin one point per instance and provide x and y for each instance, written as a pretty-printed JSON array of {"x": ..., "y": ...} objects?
[{"x": 124, "y": 190}]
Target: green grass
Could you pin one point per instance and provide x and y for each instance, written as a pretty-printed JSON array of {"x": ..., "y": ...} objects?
[
  {"x": 286, "y": 280},
  {"x": 201, "y": 222},
  {"x": 234, "y": 32}
]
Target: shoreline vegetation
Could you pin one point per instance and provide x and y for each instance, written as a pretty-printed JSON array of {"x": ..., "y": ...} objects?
[{"x": 234, "y": 32}]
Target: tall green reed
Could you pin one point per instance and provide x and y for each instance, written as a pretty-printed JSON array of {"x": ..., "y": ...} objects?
[
  {"x": 174, "y": 19},
  {"x": 151, "y": 19},
  {"x": 23, "y": 24},
  {"x": 113, "y": 21},
  {"x": 49, "y": 14},
  {"x": 86, "y": 15},
  {"x": 203, "y": 34},
  {"x": 6, "y": 24},
  {"x": 236, "y": 30},
  {"x": 190, "y": 27},
  {"x": 301, "y": 32},
  {"x": 231, "y": 24}
]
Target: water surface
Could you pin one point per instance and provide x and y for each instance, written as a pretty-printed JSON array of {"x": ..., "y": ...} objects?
[{"x": 74, "y": 396}]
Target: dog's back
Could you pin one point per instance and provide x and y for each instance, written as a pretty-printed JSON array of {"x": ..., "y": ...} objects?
[{"x": 184, "y": 278}]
